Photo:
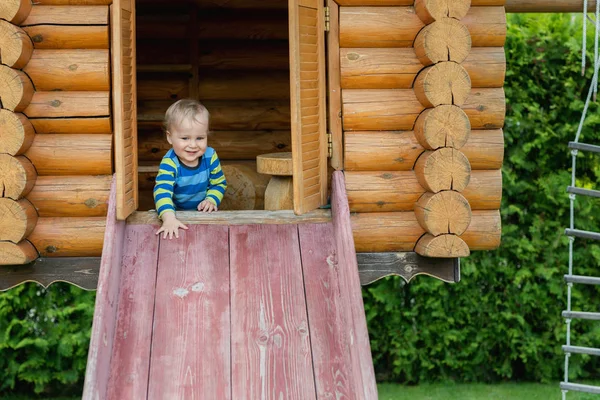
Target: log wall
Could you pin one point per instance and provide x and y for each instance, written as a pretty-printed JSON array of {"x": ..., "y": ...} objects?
[
  {"x": 55, "y": 131},
  {"x": 422, "y": 113},
  {"x": 236, "y": 62}
]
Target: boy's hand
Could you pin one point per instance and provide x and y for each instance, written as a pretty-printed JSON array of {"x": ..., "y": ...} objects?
[
  {"x": 170, "y": 226},
  {"x": 207, "y": 206}
]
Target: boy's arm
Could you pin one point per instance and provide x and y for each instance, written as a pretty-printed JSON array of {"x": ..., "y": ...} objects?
[
  {"x": 216, "y": 183},
  {"x": 163, "y": 189}
]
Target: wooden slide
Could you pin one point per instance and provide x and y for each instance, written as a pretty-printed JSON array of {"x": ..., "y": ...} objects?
[{"x": 231, "y": 312}]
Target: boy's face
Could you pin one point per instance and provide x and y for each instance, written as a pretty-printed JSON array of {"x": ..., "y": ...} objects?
[{"x": 189, "y": 140}]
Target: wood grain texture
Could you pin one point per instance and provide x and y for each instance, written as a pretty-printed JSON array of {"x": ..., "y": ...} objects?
[
  {"x": 445, "y": 125},
  {"x": 65, "y": 70},
  {"x": 71, "y": 196},
  {"x": 15, "y": 11},
  {"x": 69, "y": 236},
  {"x": 444, "y": 212},
  {"x": 235, "y": 217},
  {"x": 63, "y": 154},
  {"x": 443, "y": 169},
  {"x": 79, "y": 271},
  {"x": 334, "y": 87},
  {"x": 275, "y": 164},
  {"x": 67, "y": 15},
  {"x": 191, "y": 340},
  {"x": 68, "y": 36},
  {"x": 72, "y": 125},
  {"x": 105, "y": 310},
  {"x": 17, "y": 176},
  {"x": 16, "y": 89},
  {"x": 16, "y": 45},
  {"x": 445, "y": 40},
  {"x": 270, "y": 344},
  {"x": 374, "y": 266},
  {"x": 17, "y": 219},
  {"x": 68, "y": 104},
  {"x": 433, "y": 10},
  {"x": 15, "y": 254},
  {"x": 442, "y": 246},
  {"x": 445, "y": 83},
  {"x": 334, "y": 376},
  {"x": 16, "y": 133},
  {"x": 133, "y": 331},
  {"x": 360, "y": 352}
]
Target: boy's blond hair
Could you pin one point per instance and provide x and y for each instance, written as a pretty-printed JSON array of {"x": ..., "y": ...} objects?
[{"x": 185, "y": 110}]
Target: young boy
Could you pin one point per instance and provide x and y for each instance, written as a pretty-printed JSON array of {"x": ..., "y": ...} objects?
[{"x": 190, "y": 175}]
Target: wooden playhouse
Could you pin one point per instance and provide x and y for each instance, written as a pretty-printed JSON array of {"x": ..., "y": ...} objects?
[{"x": 406, "y": 99}]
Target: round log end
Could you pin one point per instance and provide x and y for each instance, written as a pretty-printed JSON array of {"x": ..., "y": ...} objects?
[
  {"x": 275, "y": 164},
  {"x": 15, "y": 44},
  {"x": 16, "y": 133},
  {"x": 445, "y": 83},
  {"x": 245, "y": 188},
  {"x": 17, "y": 219},
  {"x": 16, "y": 89},
  {"x": 443, "y": 212},
  {"x": 17, "y": 254},
  {"x": 433, "y": 10},
  {"x": 443, "y": 246},
  {"x": 443, "y": 169},
  {"x": 17, "y": 176},
  {"x": 15, "y": 11},
  {"x": 444, "y": 40},
  {"x": 443, "y": 126}
]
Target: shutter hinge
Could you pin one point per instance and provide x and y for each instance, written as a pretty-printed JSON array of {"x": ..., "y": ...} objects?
[
  {"x": 326, "y": 19},
  {"x": 329, "y": 145}
]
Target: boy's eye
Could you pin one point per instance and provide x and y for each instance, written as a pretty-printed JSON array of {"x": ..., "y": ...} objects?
[{"x": 184, "y": 138}]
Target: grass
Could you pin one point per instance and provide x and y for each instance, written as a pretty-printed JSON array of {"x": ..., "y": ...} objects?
[{"x": 505, "y": 391}]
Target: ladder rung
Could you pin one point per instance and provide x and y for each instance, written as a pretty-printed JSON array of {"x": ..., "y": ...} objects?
[
  {"x": 584, "y": 147},
  {"x": 587, "y": 280},
  {"x": 582, "y": 234},
  {"x": 583, "y": 192},
  {"x": 578, "y": 387},
  {"x": 581, "y": 315},
  {"x": 581, "y": 350}
]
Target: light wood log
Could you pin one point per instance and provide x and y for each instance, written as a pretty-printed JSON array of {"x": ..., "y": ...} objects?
[
  {"x": 17, "y": 219},
  {"x": 73, "y": 2},
  {"x": 17, "y": 254},
  {"x": 71, "y": 196},
  {"x": 400, "y": 231},
  {"x": 244, "y": 217},
  {"x": 67, "y": 15},
  {"x": 229, "y": 4},
  {"x": 443, "y": 212},
  {"x": 548, "y": 6},
  {"x": 69, "y": 236},
  {"x": 65, "y": 70},
  {"x": 398, "y": 109},
  {"x": 72, "y": 125},
  {"x": 16, "y": 133},
  {"x": 434, "y": 10},
  {"x": 399, "y": 26},
  {"x": 388, "y": 191},
  {"x": 68, "y": 104},
  {"x": 245, "y": 186},
  {"x": 279, "y": 194},
  {"x": 444, "y": 83},
  {"x": 399, "y": 150},
  {"x": 275, "y": 164},
  {"x": 443, "y": 126},
  {"x": 216, "y": 24},
  {"x": 76, "y": 154},
  {"x": 443, "y": 246},
  {"x": 443, "y": 169},
  {"x": 230, "y": 115},
  {"x": 15, "y": 44},
  {"x": 229, "y": 145},
  {"x": 397, "y": 68},
  {"x": 15, "y": 11},
  {"x": 68, "y": 36},
  {"x": 16, "y": 90},
  {"x": 443, "y": 40},
  {"x": 17, "y": 176}
]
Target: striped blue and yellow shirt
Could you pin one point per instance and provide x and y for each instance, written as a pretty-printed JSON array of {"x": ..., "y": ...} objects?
[{"x": 181, "y": 187}]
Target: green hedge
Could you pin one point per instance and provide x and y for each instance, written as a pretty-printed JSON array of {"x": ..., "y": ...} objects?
[{"x": 501, "y": 322}]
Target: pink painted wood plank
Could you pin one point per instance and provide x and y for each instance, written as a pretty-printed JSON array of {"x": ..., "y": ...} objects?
[
  {"x": 334, "y": 376},
  {"x": 191, "y": 343},
  {"x": 131, "y": 355},
  {"x": 105, "y": 310},
  {"x": 270, "y": 343},
  {"x": 350, "y": 285}
]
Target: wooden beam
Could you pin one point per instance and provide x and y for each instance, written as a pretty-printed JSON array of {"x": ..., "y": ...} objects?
[
  {"x": 547, "y": 6},
  {"x": 235, "y": 217},
  {"x": 79, "y": 271},
  {"x": 374, "y": 266}
]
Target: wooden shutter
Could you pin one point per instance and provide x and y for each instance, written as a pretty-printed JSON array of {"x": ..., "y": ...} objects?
[
  {"x": 124, "y": 105},
  {"x": 307, "y": 89}
]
